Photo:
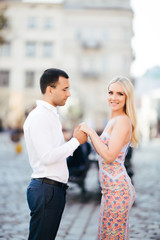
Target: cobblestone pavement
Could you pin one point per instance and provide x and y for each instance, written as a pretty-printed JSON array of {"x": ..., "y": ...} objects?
[{"x": 80, "y": 218}]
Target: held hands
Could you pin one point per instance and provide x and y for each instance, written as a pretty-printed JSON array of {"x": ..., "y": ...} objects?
[
  {"x": 80, "y": 135},
  {"x": 82, "y": 131},
  {"x": 85, "y": 128}
]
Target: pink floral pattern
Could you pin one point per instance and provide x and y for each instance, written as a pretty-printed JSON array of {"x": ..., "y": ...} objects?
[{"x": 118, "y": 195}]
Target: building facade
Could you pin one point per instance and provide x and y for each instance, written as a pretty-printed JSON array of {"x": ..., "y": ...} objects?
[
  {"x": 89, "y": 39},
  {"x": 148, "y": 107}
]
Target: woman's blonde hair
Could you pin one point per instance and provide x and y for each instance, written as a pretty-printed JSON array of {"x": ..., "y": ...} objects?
[{"x": 129, "y": 106}]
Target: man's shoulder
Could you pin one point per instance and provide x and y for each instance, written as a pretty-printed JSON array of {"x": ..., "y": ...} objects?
[
  {"x": 34, "y": 116},
  {"x": 37, "y": 111}
]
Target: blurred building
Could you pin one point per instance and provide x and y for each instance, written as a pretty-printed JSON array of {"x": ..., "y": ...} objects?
[
  {"x": 148, "y": 105},
  {"x": 90, "y": 39}
]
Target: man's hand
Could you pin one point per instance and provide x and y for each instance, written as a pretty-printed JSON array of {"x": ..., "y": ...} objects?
[
  {"x": 80, "y": 135},
  {"x": 85, "y": 128}
]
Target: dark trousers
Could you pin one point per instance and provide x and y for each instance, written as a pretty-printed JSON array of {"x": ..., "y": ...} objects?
[{"x": 46, "y": 203}]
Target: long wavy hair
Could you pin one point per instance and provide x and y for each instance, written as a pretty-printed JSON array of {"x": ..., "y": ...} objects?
[{"x": 129, "y": 106}]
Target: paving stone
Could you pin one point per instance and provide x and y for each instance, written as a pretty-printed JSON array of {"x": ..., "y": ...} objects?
[{"x": 80, "y": 218}]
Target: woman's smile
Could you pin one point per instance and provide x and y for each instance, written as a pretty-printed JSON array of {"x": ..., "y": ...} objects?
[{"x": 116, "y": 97}]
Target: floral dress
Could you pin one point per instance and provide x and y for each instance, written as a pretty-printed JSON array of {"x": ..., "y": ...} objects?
[{"x": 118, "y": 195}]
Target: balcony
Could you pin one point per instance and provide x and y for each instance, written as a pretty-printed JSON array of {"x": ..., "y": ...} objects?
[
  {"x": 91, "y": 44},
  {"x": 90, "y": 74}
]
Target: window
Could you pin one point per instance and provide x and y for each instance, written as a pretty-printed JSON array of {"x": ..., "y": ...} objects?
[
  {"x": 4, "y": 78},
  {"x": 29, "y": 79},
  {"x": 105, "y": 35},
  {"x": 48, "y": 24},
  {"x": 32, "y": 22},
  {"x": 91, "y": 38},
  {"x": 89, "y": 67},
  {"x": 47, "y": 49},
  {"x": 5, "y": 49},
  {"x": 30, "y": 49}
]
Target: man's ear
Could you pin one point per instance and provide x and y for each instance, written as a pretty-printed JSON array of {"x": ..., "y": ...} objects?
[{"x": 49, "y": 90}]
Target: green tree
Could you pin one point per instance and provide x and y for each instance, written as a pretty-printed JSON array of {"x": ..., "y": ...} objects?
[{"x": 3, "y": 23}]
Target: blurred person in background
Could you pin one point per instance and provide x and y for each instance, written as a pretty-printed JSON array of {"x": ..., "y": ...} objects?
[
  {"x": 118, "y": 193},
  {"x": 128, "y": 163},
  {"x": 1, "y": 125},
  {"x": 78, "y": 163},
  {"x": 47, "y": 150}
]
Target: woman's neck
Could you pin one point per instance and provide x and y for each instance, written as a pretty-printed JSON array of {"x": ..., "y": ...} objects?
[{"x": 116, "y": 114}]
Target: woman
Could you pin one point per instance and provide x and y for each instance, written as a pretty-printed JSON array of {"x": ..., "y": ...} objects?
[{"x": 118, "y": 192}]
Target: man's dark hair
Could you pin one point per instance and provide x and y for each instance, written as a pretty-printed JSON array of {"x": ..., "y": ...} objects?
[{"x": 51, "y": 77}]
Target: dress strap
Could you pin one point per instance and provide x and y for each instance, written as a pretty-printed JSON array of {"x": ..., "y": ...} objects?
[{"x": 110, "y": 124}]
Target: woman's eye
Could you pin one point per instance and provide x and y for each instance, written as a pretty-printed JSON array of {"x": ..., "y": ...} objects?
[
  {"x": 121, "y": 94},
  {"x": 110, "y": 92}
]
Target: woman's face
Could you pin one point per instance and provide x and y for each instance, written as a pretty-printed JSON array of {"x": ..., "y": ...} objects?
[{"x": 116, "y": 97}]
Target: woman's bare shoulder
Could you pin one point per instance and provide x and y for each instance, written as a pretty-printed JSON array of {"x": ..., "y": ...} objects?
[{"x": 123, "y": 121}]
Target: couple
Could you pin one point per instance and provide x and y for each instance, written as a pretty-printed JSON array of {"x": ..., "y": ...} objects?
[{"x": 48, "y": 152}]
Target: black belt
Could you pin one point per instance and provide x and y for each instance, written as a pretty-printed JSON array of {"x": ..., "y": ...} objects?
[{"x": 53, "y": 182}]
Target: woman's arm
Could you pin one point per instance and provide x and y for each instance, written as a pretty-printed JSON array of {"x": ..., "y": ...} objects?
[{"x": 119, "y": 137}]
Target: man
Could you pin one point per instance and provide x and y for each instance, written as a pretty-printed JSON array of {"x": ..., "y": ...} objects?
[{"x": 47, "y": 156}]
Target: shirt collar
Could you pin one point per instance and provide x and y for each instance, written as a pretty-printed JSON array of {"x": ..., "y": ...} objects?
[{"x": 47, "y": 105}]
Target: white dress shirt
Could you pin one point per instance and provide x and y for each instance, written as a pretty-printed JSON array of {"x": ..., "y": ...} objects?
[{"x": 45, "y": 143}]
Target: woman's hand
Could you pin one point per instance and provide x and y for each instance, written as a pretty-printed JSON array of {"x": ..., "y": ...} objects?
[{"x": 85, "y": 128}]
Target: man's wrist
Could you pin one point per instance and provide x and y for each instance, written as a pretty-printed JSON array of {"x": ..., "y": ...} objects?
[{"x": 76, "y": 140}]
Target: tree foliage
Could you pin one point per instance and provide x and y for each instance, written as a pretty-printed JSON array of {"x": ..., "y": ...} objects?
[{"x": 3, "y": 24}]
